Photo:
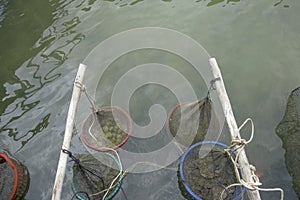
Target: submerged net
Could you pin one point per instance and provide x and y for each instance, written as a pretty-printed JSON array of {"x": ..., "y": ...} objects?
[
  {"x": 205, "y": 171},
  {"x": 108, "y": 127},
  {"x": 91, "y": 177},
  {"x": 289, "y": 132},
  {"x": 14, "y": 178},
  {"x": 7, "y": 180},
  {"x": 186, "y": 118}
]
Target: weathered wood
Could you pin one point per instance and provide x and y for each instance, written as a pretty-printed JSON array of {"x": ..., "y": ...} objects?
[
  {"x": 61, "y": 168},
  {"x": 233, "y": 128}
]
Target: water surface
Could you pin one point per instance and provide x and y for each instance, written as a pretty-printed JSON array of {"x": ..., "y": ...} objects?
[{"x": 257, "y": 44}]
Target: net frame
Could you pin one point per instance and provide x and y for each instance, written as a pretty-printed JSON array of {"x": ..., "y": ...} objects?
[
  {"x": 239, "y": 192},
  {"x": 104, "y": 148}
]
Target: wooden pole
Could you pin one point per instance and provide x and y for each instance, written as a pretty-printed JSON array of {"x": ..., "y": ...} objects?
[
  {"x": 233, "y": 128},
  {"x": 61, "y": 168}
]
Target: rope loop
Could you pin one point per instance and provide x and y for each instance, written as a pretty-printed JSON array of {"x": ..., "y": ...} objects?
[
  {"x": 212, "y": 82},
  {"x": 80, "y": 86},
  {"x": 238, "y": 142},
  {"x": 234, "y": 150},
  {"x": 212, "y": 86},
  {"x": 73, "y": 158}
]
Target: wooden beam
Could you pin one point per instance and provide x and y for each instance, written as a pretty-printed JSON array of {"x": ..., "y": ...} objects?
[
  {"x": 61, "y": 168},
  {"x": 233, "y": 128}
]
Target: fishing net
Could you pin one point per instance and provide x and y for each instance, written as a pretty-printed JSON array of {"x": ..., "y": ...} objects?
[
  {"x": 289, "y": 132},
  {"x": 14, "y": 178},
  {"x": 205, "y": 172},
  {"x": 108, "y": 127},
  {"x": 92, "y": 178},
  {"x": 189, "y": 117}
]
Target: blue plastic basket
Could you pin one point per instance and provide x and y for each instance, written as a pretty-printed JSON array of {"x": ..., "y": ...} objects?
[{"x": 239, "y": 192}]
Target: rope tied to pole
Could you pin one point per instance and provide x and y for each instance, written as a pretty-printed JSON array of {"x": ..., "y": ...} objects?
[
  {"x": 235, "y": 148},
  {"x": 115, "y": 181},
  {"x": 61, "y": 167},
  {"x": 82, "y": 87},
  {"x": 212, "y": 86},
  {"x": 73, "y": 158}
]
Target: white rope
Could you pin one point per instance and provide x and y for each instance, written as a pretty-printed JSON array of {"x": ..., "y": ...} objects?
[
  {"x": 236, "y": 146},
  {"x": 128, "y": 170},
  {"x": 92, "y": 102},
  {"x": 118, "y": 158},
  {"x": 121, "y": 175},
  {"x": 89, "y": 97}
]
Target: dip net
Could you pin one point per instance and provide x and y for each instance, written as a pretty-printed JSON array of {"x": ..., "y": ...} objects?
[
  {"x": 14, "y": 178},
  {"x": 106, "y": 128},
  {"x": 187, "y": 119},
  {"x": 94, "y": 179},
  {"x": 206, "y": 171}
]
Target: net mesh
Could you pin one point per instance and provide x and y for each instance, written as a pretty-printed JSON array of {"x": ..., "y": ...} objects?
[
  {"x": 6, "y": 180},
  {"x": 186, "y": 116},
  {"x": 109, "y": 127},
  {"x": 289, "y": 132},
  {"x": 14, "y": 178},
  {"x": 207, "y": 170},
  {"x": 92, "y": 176}
]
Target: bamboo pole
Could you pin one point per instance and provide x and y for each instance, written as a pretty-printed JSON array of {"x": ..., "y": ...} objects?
[
  {"x": 61, "y": 168},
  {"x": 233, "y": 128}
]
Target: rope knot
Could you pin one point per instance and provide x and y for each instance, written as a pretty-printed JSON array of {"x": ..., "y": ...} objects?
[
  {"x": 239, "y": 142},
  {"x": 73, "y": 158},
  {"x": 252, "y": 168},
  {"x": 212, "y": 82},
  {"x": 212, "y": 86},
  {"x": 80, "y": 86},
  {"x": 89, "y": 97},
  {"x": 234, "y": 150}
]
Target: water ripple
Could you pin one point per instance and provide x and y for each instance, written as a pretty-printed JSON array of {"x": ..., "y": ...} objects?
[
  {"x": 29, "y": 99},
  {"x": 3, "y": 4}
]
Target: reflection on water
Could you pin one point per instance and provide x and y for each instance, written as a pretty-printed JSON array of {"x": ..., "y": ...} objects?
[
  {"x": 122, "y": 3},
  {"x": 3, "y": 4},
  {"x": 35, "y": 76},
  {"x": 281, "y": 2},
  {"x": 214, "y": 2}
]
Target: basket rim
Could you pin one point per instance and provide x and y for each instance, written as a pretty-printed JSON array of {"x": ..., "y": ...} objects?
[
  {"x": 188, "y": 189},
  {"x": 123, "y": 112},
  {"x": 11, "y": 163}
]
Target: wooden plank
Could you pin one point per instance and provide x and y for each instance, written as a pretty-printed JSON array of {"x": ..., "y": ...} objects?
[
  {"x": 233, "y": 128},
  {"x": 61, "y": 168}
]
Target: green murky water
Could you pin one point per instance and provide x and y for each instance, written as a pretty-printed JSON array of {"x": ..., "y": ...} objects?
[{"x": 257, "y": 44}]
